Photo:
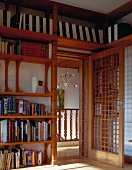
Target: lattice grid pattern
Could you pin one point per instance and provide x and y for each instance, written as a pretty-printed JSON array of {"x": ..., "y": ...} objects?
[{"x": 106, "y": 104}]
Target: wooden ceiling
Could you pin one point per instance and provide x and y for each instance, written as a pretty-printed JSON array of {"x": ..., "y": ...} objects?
[{"x": 67, "y": 63}]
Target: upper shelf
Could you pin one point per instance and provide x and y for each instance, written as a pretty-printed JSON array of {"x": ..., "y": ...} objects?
[
  {"x": 62, "y": 42},
  {"x": 79, "y": 44},
  {"x": 29, "y": 35},
  {"x": 125, "y": 41}
]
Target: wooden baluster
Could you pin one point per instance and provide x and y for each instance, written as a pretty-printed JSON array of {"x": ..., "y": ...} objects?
[
  {"x": 65, "y": 124},
  {"x": 7, "y": 61},
  {"x": 70, "y": 124},
  {"x": 18, "y": 62},
  {"x": 76, "y": 123},
  {"x": 59, "y": 126}
]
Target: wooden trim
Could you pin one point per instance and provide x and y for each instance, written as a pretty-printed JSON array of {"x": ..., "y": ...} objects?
[
  {"x": 121, "y": 100},
  {"x": 25, "y": 34},
  {"x": 23, "y": 143},
  {"x": 125, "y": 41},
  {"x": 121, "y": 11},
  {"x": 26, "y": 94},
  {"x": 79, "y": 44},
  {"x": 28, "y": 117},
  {"x": 23, "y": 58}
]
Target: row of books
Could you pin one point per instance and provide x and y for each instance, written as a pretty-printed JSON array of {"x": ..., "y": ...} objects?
[
  {"x": 26, "y": 48},
  {"x": 24, "y": 130},
  {"x": 13, "y": 106},
  {"x": 20, "y": 158},
  {"x": 75, "y": 31},
  {"x": 32, "y": 23},
  {"x": 5, "y": 18},
  {"x": 45, "y": 25},
  {"x": 118, "y": 31}
]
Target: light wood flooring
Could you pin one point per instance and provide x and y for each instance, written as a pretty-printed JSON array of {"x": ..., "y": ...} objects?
[{"x": 68, "y": 159}]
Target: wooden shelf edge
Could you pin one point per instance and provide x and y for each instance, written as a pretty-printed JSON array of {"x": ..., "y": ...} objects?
[
  {"x": 27, "y": 94},
  {"x": 125, "y": 41},
  {"x": 25, "y": 34},
  {"x": 23, "y": 58},
  {"x": 29, "y": 117},
  {"x": 79, "y": 44},
  {"x": 23, "y": 143}
]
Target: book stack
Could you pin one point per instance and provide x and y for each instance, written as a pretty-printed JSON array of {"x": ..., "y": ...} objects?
[
  {"x": 34, "y": 49},
  {"x": 24, "y": 130},
  {"x": 20, "y": 158},
  {"x": 79, "y": 32},
  {"x": 5, "y": 18},
  {"x": 32, "y": 23},
  {"x": 13, "y": 106},
  {"x": 118, "y": 31}
]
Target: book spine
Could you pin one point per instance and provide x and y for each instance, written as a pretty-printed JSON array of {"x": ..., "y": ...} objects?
[{"x": 37, "y": 24}]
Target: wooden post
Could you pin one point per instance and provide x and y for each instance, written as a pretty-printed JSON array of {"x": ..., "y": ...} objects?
[{"x": 55, "y": 14}]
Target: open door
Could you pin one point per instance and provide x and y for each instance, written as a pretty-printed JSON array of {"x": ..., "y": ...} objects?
[{"x": 106, "y": 96}]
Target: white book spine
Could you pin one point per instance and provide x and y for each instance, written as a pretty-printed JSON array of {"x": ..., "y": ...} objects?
[
  {"x": 8, "y": 18},
  {"x": 24, "y": 22},
  {"x": 100, "y": 36},
  {"x": 94, "y": 36},
  {"x": 67, "y": 30},
  {"x": 60, "y": 28},
  {"x": 50, "y": 50},
  {"x": 74, "y": 31},
  {"x": 109, "y": 34},
  {"x": 30, "y": 23},
  {"x": 1, "y": 17},
  {"x": 20, "y": 23},
  {"x": 37, "y": 24},
  {"x": 87, "y": 34},
  {"x": 44, "y": 25},
  {"x": 81, "y": 32},
  {"x": 115, "y": 31},
  {"x": 51, "y": 26}
]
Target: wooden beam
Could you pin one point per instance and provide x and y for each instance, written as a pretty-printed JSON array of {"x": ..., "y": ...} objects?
[{"x": 121, "y": 11}]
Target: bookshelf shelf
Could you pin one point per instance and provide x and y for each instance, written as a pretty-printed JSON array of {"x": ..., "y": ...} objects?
[
  {"x": 24, "y": 34},
  {"x": 28, "y": 117},
  {"x": 125, "y": 41},
  {"x": 26, "y": 94},
  {"x": 23, "y": 143},
  {"x": 80, "y": 44},
  {"x": 22, "y": 58}
]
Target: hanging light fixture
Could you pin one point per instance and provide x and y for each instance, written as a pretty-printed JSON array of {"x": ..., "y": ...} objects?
[{"x": 66, "y": 80}]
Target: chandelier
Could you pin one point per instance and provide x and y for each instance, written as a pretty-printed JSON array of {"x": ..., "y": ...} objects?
[{"x": 66, "y": 79}]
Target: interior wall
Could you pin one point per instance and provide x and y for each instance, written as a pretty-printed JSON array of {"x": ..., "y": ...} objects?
[{"x": 71, "y": 99}]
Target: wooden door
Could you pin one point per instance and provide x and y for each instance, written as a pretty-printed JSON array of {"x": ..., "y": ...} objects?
[{"x": 106, "y": 95}]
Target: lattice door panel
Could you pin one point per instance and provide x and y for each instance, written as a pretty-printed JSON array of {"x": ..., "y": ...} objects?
[{"x": 106, "y": 104}]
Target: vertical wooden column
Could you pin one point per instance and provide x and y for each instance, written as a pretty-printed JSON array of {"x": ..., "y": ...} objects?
[
  {"x": 18, "y": 62},
  {"x": 54, "y": 101},
  {"x": 55, "y": 14},
  {"x": 7, "y": 61},
  {"x": 83, "y": 116},
  {"x": 47, "y": 66}
]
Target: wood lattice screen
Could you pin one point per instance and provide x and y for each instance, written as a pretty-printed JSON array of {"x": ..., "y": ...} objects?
[{"x": 106, "y": 104}]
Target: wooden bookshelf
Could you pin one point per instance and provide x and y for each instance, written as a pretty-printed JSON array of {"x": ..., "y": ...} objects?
[
  {"x": 24, "y": 143},
  {"x": 28, "y": 117},
  {"x": 26, "y": 94}
]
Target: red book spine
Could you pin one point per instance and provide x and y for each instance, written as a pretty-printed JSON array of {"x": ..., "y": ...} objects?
[{"x": 9, "y": 130}]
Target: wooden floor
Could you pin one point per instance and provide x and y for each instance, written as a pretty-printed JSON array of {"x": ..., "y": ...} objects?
[{"x": 68, "y": 159}]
